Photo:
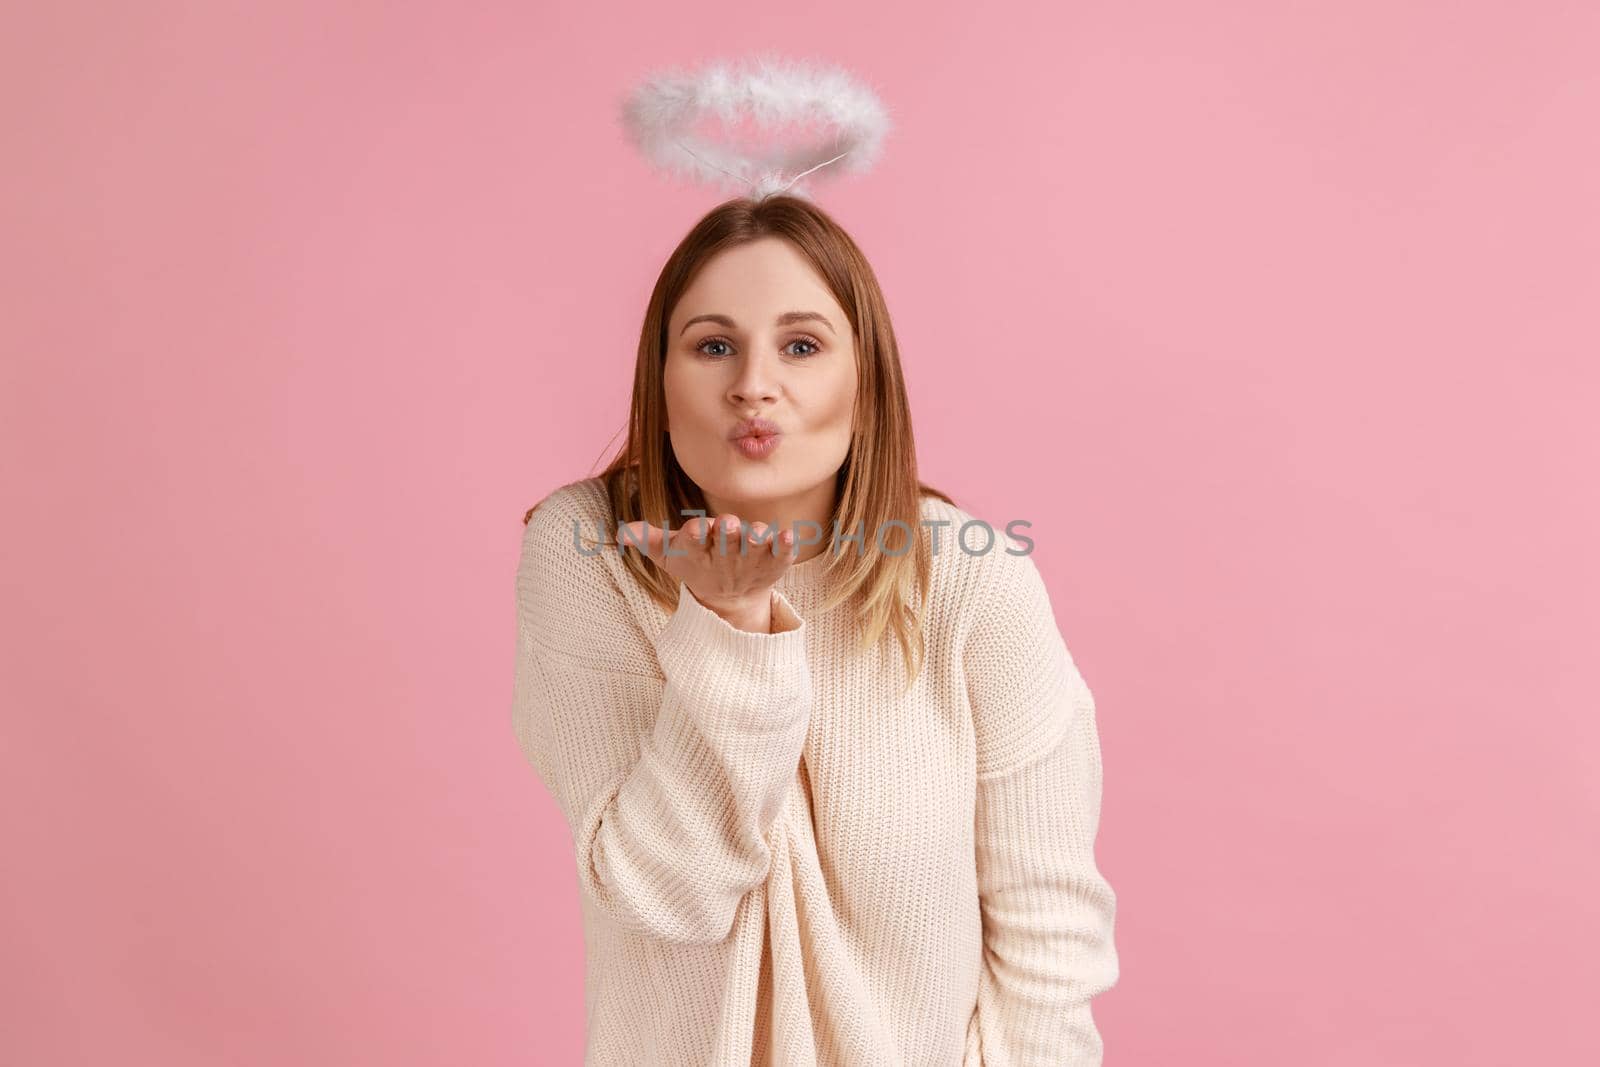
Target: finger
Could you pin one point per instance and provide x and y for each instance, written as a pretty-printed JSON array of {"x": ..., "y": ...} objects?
[
  {"x": 742, "y": 538},
  {"x": 690, "y": 540},
  {"x": 767, "y": 539},
  {"x": 726, "y": 537}
]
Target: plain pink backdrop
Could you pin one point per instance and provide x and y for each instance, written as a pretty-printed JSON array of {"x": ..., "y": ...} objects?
[{"x": 1278, "y": 322}]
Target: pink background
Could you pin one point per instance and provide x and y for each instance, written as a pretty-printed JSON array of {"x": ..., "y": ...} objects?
[{"x": 1277, "y": 321}]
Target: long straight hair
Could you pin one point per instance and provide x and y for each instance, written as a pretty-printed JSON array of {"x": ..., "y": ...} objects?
[{"x": 878, "y": 494}]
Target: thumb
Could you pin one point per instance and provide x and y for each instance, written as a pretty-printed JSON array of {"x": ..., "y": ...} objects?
[{"x": 640, "y": 535}]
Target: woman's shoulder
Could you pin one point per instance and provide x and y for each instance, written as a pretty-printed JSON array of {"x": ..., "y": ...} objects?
[
  {"x": 585, "y": 500},
  {"x": 568, "y": 523},
  {"x": 569, "y": 517},
  {"x": 969, "y": 545},
  {"x": 567, "y": 590},
  {"x": 978, "y": 563}
]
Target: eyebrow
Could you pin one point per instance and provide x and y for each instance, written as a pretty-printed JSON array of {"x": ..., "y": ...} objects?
[{"x": 786, "y": 319}]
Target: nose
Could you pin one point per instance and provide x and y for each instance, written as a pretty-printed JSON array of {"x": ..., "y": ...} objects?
[{"x": 755, "y": 383}]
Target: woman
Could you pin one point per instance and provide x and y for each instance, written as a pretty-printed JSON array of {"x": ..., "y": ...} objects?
[{"x": 798, "y": 842}]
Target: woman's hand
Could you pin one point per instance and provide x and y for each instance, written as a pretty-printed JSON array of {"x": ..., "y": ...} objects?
[{"x": 729, "y": 572}]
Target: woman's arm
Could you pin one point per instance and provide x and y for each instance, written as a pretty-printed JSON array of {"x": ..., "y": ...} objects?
[
  {"x": 1048, "y": 913},
  {"x": 669, "y": 819}
]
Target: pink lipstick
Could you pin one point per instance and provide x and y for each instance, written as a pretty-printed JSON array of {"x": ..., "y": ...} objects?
[{"x": 755, "y": 438}]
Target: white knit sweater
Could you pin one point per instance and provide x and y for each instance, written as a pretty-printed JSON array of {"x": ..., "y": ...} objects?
[{"x": 781, "y": 858}]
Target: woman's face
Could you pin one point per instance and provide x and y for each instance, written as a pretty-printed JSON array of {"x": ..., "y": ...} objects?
[{"x": 758, "y": 335}]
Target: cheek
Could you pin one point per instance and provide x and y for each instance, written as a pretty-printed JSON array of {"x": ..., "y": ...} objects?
[
  {"x": 837, "y": 404},
  {"x": 681, "y": 396}
]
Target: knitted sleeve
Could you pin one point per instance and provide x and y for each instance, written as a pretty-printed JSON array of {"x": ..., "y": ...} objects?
[
  {"x": 1048, "y": 912},
  {"x": 670, "y": 764}
]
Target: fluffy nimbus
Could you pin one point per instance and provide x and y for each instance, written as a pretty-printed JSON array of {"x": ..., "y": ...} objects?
[{"x": 771, "y": 92}]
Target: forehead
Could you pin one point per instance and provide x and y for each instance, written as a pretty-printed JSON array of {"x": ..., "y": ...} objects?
[{"x": 755, "y": 282}]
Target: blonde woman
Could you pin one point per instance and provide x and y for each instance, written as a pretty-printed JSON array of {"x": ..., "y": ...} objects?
[{"x": 832, "y": 777}]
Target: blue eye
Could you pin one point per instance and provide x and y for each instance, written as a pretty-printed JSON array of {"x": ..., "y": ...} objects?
[{"x": 815, "y": 346}]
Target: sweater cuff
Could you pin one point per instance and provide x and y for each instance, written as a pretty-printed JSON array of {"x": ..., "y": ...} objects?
[{"x": 711, "y": 662}]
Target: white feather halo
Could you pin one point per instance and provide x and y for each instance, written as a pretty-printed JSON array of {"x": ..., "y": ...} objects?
[{"x": 660, "y": 113}]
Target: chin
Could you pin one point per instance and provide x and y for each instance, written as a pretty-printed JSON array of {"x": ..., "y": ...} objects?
[{"x": 752, "y": 482}]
